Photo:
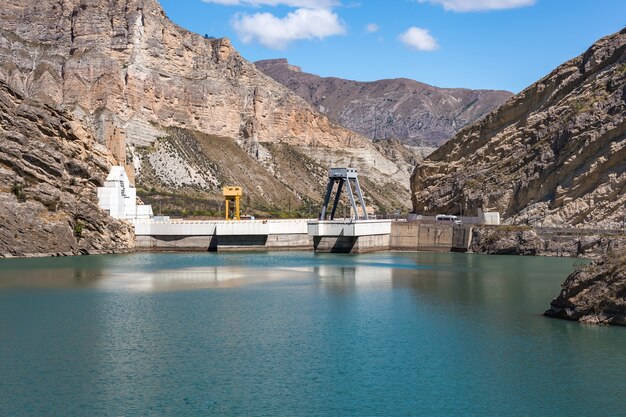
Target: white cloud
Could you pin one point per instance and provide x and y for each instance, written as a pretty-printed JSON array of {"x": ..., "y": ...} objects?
[
  {"x": 480, "y": 5},
  {"x": 418, "y": 38},
  {"x": 307, "y": 4},
  {"x": 276, "y": 33},
  {"x": 372, "y": 28}
]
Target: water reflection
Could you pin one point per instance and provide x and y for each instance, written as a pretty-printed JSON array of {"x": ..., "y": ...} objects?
[
  {"x": 448, "y": 277},
  {"x": 331, "y": 277},
  {"x": 444, "y": 334},
  {"x": 198, "y": 278},
  {"x": 346, "y": 279},
  {"x": 51, "y": 278},
  {"x": 172, "y": 272},
  {"x": 476, "y": 279}
]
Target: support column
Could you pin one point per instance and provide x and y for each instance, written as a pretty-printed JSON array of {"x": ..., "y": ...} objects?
[
  {"x": 360, "y": 194},
  {"x": 329, "y": 190},
  {"x": 337, "y": 197},
  {"x": 352, "y": 202},
  {"x": 343, "y": 176}
]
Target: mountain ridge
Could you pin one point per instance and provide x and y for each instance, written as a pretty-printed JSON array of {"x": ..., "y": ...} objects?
[{"x": 413, "y": 112}]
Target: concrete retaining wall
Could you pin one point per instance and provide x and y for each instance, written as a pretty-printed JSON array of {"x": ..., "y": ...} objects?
[
  {"x": 220, "y": 227},
  {"x": 429, "y": 237},
  {"x": 222, "y": 235},
  {"x": 226, "y": 243},
  {"x": 174, "y": 243},
  {"x": 350, "y": 244},
  {"x": 349, "y": 228},
  {"x": 289, "y": 242}
]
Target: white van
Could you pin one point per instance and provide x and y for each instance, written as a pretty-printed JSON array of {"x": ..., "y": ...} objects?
[{"x": 447, "y": 218}]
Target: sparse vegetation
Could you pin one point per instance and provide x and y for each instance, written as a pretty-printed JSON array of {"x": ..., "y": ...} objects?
[
  {"x": 18, "y": 190},
  {"x": 79, "y": 226},
  {"x": 472, "y": 183},
  {"x": 580, "y": 106},
  {"x": 291, "y": 185}
]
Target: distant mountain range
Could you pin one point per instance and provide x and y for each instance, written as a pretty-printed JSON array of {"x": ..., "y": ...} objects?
[{"x": 415, "y": 113}]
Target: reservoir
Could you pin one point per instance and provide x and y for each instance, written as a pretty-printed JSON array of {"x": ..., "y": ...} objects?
[{"x": 299, "y": 334}]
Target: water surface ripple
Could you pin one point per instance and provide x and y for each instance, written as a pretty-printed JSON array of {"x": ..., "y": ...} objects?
[{"x": 298, "y": 334}]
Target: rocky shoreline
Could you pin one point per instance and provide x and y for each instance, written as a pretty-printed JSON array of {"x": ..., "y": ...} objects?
[
  {"x": 528, "y": 241},
  {"x": 50, "y": 169},
  {"x": 594, "y": 294}
]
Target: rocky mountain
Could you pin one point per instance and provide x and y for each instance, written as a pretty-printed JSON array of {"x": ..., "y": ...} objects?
[
  {"x": 554, "y": 155},
  {"x": 415, "y": 113},
  {"x": 594, "y": 294},
  {"x": 49, "y": 170},
  {"x": 124, "y": 71}
]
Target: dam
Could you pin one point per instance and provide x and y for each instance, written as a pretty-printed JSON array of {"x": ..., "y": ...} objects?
[
  {"x": 358, "y": 234},
  {"x": 337, "y": 236}
]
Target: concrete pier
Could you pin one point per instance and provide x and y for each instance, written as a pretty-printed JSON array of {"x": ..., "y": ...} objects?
[
  {"x": 414, "y": 236},
  {"x": 350, "y": 236}
]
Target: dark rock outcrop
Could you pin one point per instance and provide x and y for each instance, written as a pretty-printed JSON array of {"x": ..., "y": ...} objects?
[
  {"x": 594, "y": 294},
  {"x": 528, "y": 241},
  {"x": 414, "y": 113},
  {"x": 554, "y": 155},
  {"x": 49, "y": 172}
]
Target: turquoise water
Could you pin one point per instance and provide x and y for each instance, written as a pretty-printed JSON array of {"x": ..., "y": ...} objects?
[{"x": 297, "y": 334}]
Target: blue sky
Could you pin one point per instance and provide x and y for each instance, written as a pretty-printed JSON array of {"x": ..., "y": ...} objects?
[{"x": 492, "y": 44}]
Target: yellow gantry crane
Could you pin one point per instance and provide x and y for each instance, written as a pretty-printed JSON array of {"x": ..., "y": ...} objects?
[{"x": 233, "y": 194}]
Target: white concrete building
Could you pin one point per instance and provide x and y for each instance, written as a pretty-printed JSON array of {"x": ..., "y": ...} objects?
[
  {"x": 119, "y": 198},
  {"x": 489, "y": 217}
]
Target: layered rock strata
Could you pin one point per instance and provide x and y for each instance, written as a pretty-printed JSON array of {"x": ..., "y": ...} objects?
[
  {"x": 554, "y": 155},
  {"x": 50, "y": 169},
  {"x": 594, "y": 294},
  {"x": 123, "y": 66}
]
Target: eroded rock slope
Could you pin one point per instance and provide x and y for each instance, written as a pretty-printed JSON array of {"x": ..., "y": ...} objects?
[
  {"x": 554, "y": 155},
  {"x": 594, "y": 294},
  {"x": 124, "y": 70},
  {"x": 49, "y": 171}
]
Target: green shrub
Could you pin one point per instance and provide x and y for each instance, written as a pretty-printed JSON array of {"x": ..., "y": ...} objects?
[
  {"x": 18, "y": 190},
  {"x": 78, "y": 229}
]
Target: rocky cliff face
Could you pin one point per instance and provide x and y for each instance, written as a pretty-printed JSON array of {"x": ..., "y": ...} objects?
[
  {"x": 595, "y": 294},
  {"x": 554, "y": 155},
  {"x": 49, "y": 170},
  {"x": 528, "y": 241},
  {"x": 123, "y": 69},
  {"x": 415, "y": 113}
]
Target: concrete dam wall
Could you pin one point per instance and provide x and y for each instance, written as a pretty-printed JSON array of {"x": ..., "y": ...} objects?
[{"x": 321, "y": 236}]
